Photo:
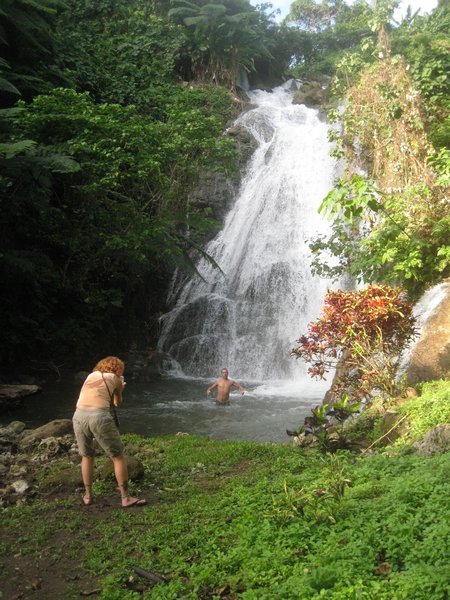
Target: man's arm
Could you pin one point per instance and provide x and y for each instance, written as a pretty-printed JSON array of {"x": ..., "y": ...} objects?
[
  {"x": 239, "y": 386},
  {"x": 211, "y": 387}
]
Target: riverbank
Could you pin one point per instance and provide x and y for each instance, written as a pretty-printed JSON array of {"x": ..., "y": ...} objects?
[{"x": 230, "y": 519}]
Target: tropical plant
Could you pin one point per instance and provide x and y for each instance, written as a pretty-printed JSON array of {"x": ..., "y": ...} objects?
[
  {"x": 342, "y": 409},
  {"x": 27, "y": 59},
  {"x": 319, "y": 504},
  {"x": 397, "y": 237},
  {"x": 225, "y": 38},
  {"x": 362, "y": 333},
  {"x": 120, "y": 52}
]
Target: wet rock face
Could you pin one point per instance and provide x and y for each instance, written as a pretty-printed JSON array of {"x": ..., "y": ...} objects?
[
  {"x": 391, "y": 426},
  {"x": 311, "y": 94},
  {"x": 430, "y": 356},
  {"x": 143, "y": 367},
  {"x": 217, "y": 190}
]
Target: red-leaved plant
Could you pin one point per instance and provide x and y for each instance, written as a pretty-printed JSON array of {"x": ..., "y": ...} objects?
[{"x": 362, "y": 334}]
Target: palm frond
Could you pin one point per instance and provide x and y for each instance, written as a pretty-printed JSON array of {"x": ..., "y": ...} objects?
[
  {"x": 7, "y": 86},
  {"x": 41, "y": 6},
  {"x": 181, "y": 11}
]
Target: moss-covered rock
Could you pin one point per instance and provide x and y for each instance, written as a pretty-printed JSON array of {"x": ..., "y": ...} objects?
[
  {"x": 311, "y": 94},
  {"x": 135, "y": 469}
]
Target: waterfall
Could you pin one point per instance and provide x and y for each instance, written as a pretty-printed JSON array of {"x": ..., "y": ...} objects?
[{"x": 248, "y": 315}]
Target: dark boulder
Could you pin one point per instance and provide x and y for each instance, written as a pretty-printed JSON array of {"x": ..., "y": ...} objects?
[
  {"x": 135, "y": 469},
  {"x": 12, "y": 395},
  {"x": 56, "y": 428}
]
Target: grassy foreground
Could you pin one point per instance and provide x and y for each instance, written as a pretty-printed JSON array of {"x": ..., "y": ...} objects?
[{"x": 242, "y": 520}]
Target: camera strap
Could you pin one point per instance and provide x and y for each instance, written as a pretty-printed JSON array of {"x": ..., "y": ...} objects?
[{"x": 111, "y": 403}]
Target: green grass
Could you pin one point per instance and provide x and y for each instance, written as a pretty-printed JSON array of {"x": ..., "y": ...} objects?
[{"x": 223, "y": 524}]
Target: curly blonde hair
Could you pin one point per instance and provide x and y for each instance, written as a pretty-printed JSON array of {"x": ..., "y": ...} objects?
[{"x": 110, "y": 364}]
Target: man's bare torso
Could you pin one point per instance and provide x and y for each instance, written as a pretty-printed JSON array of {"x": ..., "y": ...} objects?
[
  {"x": 224, "y": 385},
  {"x": 223, "y": 390}
]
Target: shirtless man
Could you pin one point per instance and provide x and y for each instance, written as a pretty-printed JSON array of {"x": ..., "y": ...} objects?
[{"x": 223, "y": 385}]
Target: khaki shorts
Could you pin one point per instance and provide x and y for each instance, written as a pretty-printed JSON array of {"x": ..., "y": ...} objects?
[{"x": 98, "y": 424}]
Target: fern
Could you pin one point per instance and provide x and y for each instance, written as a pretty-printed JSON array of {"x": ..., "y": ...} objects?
[
  {"x": 12, "y": 149},
  {"x": 59, "y": 163}
]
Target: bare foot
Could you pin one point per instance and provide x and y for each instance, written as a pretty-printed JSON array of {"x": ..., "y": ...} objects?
[{"x": 87, "y": 500}]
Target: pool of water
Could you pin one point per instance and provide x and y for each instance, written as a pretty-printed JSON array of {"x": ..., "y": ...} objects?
[{"x": 171, "y": 405}]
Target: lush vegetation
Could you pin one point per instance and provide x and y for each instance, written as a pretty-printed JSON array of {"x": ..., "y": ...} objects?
[
  {"x": 426, "y": 411},
  {"x": 389, "y": 212},
  {"x": 247, "y": 520},
  {"x": 95, "y": 175},
  {"x": 110, "y": 112}
]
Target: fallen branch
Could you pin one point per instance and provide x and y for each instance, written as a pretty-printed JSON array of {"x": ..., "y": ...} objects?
[
  {"x": 153, "y": 577},
  {"x": 385, "y": 434}
]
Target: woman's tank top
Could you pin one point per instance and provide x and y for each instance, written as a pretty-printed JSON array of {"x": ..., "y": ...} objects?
[{"x": 94, "y": 393}]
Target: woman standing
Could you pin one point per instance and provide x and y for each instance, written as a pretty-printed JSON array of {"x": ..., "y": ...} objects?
[{"x": 92, "y": 419}]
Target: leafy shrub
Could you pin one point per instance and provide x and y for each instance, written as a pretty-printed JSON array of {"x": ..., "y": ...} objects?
[
  {"x": 363, "y": 332},
  {"x": 431, "y": 408}
]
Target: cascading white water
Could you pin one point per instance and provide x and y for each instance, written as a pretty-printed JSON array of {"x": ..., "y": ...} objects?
[{"x": 249, "y": 316}]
